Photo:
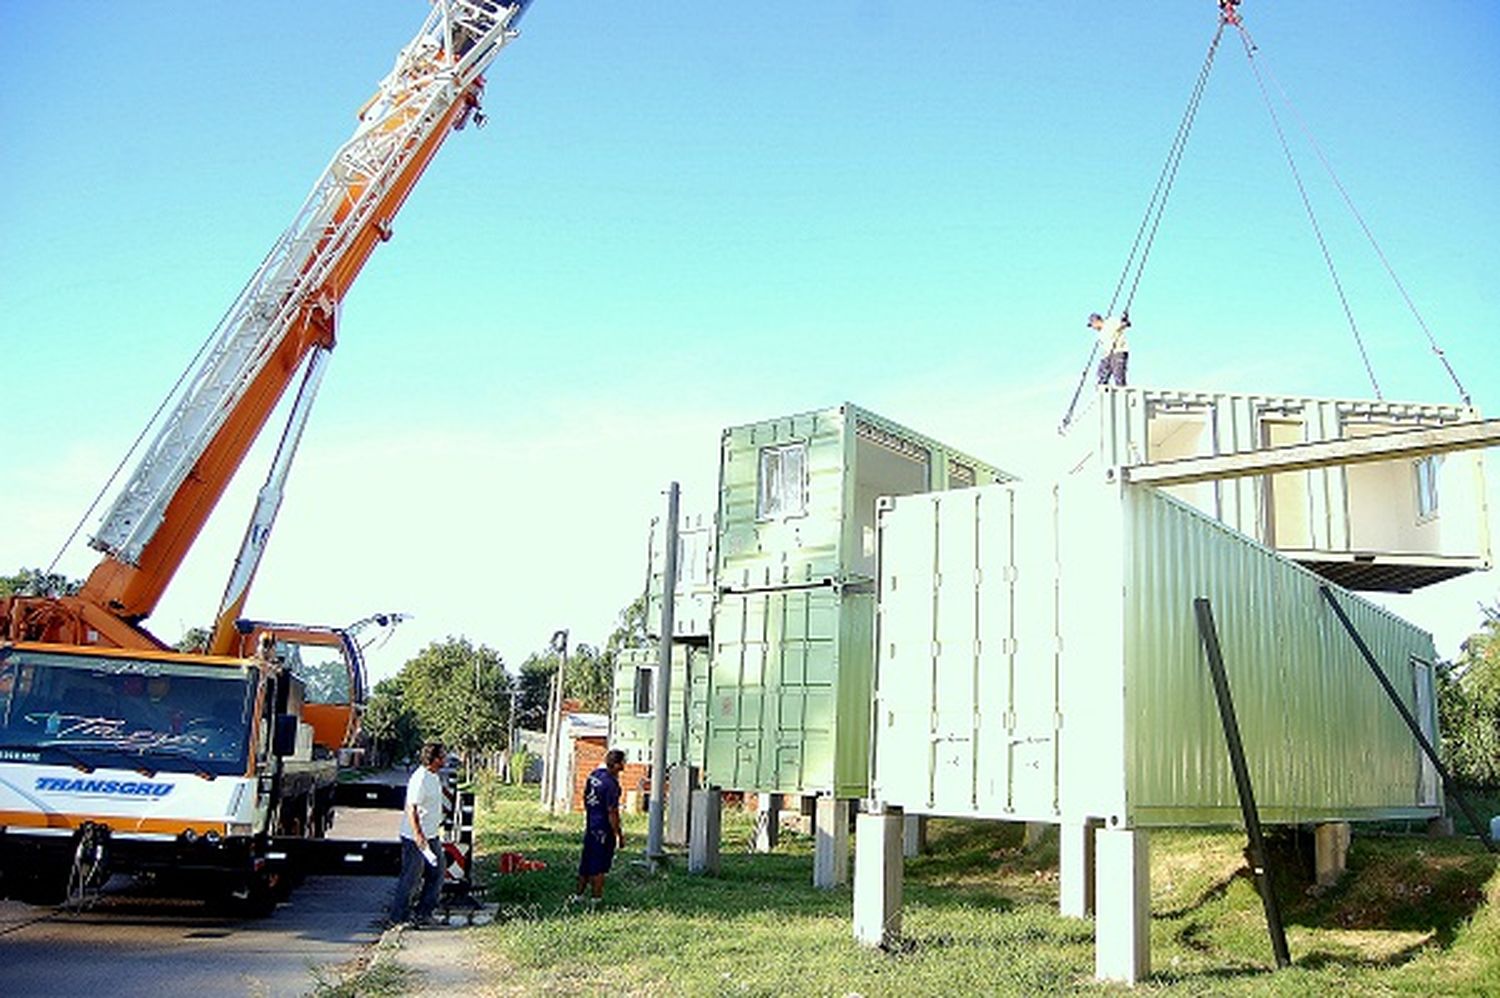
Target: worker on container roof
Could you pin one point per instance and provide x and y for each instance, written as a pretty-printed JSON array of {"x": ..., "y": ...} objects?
[{"x": 1113, "y": 345}]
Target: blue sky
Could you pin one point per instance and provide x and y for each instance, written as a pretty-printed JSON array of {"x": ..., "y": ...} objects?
[{"x": 687, "y": 215}]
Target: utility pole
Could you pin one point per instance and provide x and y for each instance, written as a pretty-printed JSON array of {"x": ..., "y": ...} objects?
[
  {"x": 554, "y": 746},
  {"x": 656, "y": 818}
]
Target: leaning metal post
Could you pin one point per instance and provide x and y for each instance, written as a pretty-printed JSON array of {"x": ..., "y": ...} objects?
[
  {"x": 1449, "y": 787},
  {"x": 1210, "y": 636}
]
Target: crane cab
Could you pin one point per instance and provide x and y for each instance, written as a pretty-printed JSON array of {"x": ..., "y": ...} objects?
[{"x": 329, "y": 663}]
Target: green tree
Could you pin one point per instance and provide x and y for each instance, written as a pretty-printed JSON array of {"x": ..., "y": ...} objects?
[
  {"x": 35, "y": 582},
  {"x": 389, "y": 722},
  {"x": 459, "y": 693},
  {"x": 194, "y": 641},
  {"x": 1469, "y": 706}
]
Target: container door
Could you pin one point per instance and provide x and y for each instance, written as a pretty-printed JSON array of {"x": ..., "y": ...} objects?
[
  {"x": 1427, "y": 775},
  {"x": 904, "y": 705},
  {"x": 953, "y": 762},
  {"x": 738, "y": 692}
]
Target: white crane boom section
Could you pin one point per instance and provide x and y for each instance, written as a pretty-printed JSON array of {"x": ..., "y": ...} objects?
[{"x": 437, "y": 69}]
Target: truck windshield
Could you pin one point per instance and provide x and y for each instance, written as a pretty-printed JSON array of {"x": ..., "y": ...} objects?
[{"x": 124, "y": 712}]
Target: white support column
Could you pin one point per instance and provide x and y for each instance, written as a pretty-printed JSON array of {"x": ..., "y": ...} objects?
[
  {"x": 878, "y": 869},
  {"x": 704, "y": 831},
  {"x": 679, "y": 804},
  {"x": 831, "y": 844},
  {"x": 913, "y": 836},
  {"x": 1331, "y": 851},
  {"x": 1076, "y": 869},
  {"x": 1122, "y": 923},
  {"x": 767, "y": 822}
]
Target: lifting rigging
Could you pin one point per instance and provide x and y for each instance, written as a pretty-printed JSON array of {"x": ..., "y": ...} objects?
[{"x": 1140, "y": 250}]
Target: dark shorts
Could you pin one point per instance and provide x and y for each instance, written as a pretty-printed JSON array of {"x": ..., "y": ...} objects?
[{"x": 598, "y": 852}]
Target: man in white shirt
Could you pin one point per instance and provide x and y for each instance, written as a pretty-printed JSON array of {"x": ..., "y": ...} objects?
[
  {"x": 421, "y": 849},
  {"x": 1113, "y": 346}
]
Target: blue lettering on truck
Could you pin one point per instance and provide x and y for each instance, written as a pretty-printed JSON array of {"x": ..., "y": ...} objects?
[{"x": 117, "y": 788}]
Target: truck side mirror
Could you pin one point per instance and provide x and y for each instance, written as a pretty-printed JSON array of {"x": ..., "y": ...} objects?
[{"x": 284, "y": 735}]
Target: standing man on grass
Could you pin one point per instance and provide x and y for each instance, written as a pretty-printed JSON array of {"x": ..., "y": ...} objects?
[
  {"x": 601, "y": 826},
  {"x": 421, "y": 850}
]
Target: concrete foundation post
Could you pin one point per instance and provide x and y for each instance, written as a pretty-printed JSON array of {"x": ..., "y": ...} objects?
[
  {"x": 704, "y": 831},
  {"x": 831, "y": 843},
  {"x": 878, "y": 869},
  {"x": 913, "y": 836},
  {"x": 1331, "y": 851},
  {"x": 767, "y": 822},
  {"x": 1122, "y": 923},
  {"x": 679, "y": 804},
  {"x": 1034, "y": 832},
  {"x": 1441, "y": 828},
  {"x": 1075, "y": 896}
]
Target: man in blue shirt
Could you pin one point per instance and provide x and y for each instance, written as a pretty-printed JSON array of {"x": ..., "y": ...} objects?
[{"x": 601, "y": 827}]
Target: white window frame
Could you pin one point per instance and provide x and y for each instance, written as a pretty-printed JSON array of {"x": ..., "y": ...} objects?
[
  {"x": 648, "y": 688},
  {"x": 1425, "y": 472},
  {"x": 790, "y": 499}
]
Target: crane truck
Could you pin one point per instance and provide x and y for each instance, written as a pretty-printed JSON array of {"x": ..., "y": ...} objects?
[{"x": 118, "y": 754}]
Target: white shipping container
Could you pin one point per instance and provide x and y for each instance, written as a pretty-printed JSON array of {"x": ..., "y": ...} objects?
[{"x": 1038, "y": 659}]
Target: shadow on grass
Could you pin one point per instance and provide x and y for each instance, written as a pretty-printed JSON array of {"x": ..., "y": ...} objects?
[{"x": 1402, "y": 884}]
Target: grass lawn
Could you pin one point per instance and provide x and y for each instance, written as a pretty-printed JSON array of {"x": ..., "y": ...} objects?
[{"x": 1414, "y": 916}]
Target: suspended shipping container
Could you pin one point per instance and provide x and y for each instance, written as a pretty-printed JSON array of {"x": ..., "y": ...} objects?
[{"x": 1393, "y": 525}]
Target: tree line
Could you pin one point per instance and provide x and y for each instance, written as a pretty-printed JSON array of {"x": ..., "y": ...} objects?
[{"x": 464, "y": 695}]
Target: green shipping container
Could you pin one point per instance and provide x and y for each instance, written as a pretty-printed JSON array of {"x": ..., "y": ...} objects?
[
  {"x": 794, "y": 617},
  {"x": 632, "y": 715}
]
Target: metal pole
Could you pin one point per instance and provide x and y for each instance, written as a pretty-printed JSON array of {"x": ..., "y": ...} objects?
[
  {"x": 542, "y": 791},
  {"x": 656, "y": 818},
  {"x": 1258, "y": 864},
  {"x": 1449, "y": 787},
  {"x": 560, "y": 646}
]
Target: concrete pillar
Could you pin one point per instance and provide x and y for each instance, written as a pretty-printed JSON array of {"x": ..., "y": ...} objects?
[
  {"x": 767, "y": 822},
  {"x": 1330, "y": 851},
  {"x": 1441, "y": 828},
  {"x": 1034, "y": 832},
  {"x": 679, "y": 804},
  {"x": 1122, "y": 922},
  {"x": 913, "y": 836},
  {"x": 1075, "y": 873},
  {"x": 831, "y": 843},
  {"x": 878, "y": 868},
  {"x": 704, "y": 831}
]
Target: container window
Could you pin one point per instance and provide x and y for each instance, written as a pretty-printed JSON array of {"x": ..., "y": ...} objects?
[
  {"x": 783, "y": 482},
  {"x": 1427, "y": 485},
  {"x": 645, "y": 691}
]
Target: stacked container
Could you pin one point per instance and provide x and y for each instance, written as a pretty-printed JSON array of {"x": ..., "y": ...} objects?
[
  {"x": 794, "y": 615},
  {"x": 632, "y": 716}
]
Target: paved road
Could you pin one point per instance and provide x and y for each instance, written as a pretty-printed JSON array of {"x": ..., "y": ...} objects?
[{"x": 137, "y": 944}]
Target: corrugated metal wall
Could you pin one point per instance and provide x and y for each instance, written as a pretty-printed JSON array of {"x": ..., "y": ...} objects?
[
  {"x": 1321, "y": 739},
  {"x": 634, "y": 733},
  {"x": 794, "y": 619},
  {"x": 1039, "y": 658}
]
